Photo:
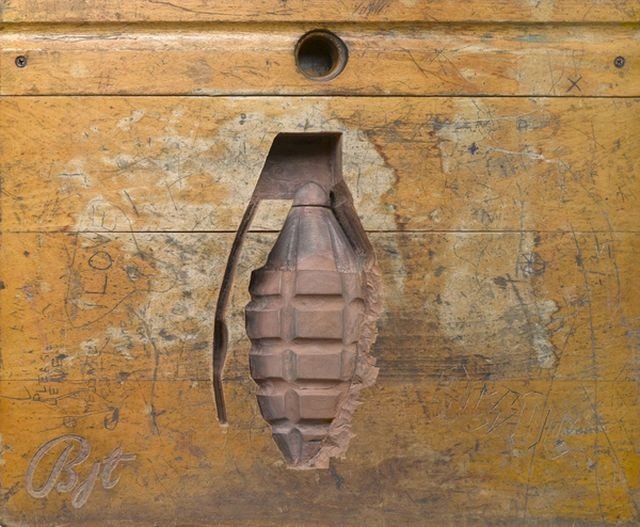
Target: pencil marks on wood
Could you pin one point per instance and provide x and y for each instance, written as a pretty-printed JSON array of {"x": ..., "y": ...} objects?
[
  {"x": 506, "y": 233},
  {"x": 431, "y": 59}
]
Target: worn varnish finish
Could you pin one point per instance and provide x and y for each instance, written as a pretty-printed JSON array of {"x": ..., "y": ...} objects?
[
  {"x": 491, "y": 378},
  {"x": 419, "y": 60},
  {"x": 191, "y": 164},
  {"x": 328, "y": 10},
  {"x": 506, "y": 230}
]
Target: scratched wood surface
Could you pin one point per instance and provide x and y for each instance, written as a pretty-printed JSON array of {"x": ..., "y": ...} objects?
[
  {"x": 328, "y": 10},
  {"x": 425, "y": 60},
  {"x": 501, "y": 381},
  {"x": 506, "y": 229},
  {"x": 189, "y": 163}
]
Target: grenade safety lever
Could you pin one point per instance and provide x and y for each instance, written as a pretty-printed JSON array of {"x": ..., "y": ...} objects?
[{"x": 314, "y": 303}]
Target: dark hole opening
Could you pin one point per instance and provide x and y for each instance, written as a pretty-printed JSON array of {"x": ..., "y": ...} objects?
[{"x": 321, "y": 55}]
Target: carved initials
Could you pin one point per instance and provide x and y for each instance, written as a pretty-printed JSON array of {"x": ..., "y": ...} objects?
[{"x": 63, "y": 476}]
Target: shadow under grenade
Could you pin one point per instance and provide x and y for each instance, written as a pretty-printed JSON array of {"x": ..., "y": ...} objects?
[{"x": 312, "y": 310}]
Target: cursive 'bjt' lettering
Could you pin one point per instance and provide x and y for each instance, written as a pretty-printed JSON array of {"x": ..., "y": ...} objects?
[{"x": 64, "y": 476}]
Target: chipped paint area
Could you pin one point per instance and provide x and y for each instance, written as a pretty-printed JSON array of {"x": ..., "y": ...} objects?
[
  {"x": 186, "y": 180},
  {"x": 540, "y": 339},
  {"x": 3, "y": 449},
  {"x": 508, "y": 343},
  {"x": 512, "y": 321},
  {"x": 491, "y": 288},
  {"x": 172, "y": 279},
  {"x": 74, "y": 175},
  {"x": 505, "y": 301},
  {"x": 126, "y": 122}
]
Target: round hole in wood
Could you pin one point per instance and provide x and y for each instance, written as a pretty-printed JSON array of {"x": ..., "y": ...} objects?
[{"x": 321, "y": 55}]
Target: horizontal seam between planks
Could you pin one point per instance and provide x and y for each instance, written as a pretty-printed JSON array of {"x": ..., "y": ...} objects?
[
  {"x": 243, "y": 380},
  {"x": 368, "y": 231},
  {"x": 87, "y": 26},
  {"x": 327, "y": 95}
]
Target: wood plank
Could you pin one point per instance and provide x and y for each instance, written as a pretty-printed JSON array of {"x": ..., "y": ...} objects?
[
  {"x": 506, "y": 230},
  {"x": 508, "y": 366},
  {"x": 481, "y": 306},
  {"x": 327, "y": 11},
  {"x": 419, "y": 60},
  {"x": 190, "y": 164},
  {"x": 494, "y": 453}
]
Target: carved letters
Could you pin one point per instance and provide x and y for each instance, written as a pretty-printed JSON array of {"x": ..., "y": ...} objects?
[{"x": 63, "y": 475}]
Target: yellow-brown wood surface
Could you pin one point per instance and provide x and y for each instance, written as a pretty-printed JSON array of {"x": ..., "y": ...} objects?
[
  {"x": 504, "y": 213},
  {"x": 383, "y": 60},
  {"x": 327, "y": 10}
]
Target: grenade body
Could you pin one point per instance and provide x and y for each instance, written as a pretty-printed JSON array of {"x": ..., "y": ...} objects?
[{"x": 304, "y": 321}]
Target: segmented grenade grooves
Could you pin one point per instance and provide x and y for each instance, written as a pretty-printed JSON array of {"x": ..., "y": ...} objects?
[{"x": 304, "y": 322}]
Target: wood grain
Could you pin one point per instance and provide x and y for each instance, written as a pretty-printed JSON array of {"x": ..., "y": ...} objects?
[
  {"x": 185, "y": 164},
  {"x": 498, "y": 383},
  {"x": 432, "y": 463},
  {"x": 483, "y": 59},
  {"x": 327, "y": 11},
  {"x": 464, "y": 305},
  {"x": 492, "y": 150},
  {"x": 508, "y": 345}
]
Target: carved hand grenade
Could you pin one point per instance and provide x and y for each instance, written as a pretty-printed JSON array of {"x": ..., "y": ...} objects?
[
  {"x": 312, "y": 317},
  {"x": 304, "y": 322}
]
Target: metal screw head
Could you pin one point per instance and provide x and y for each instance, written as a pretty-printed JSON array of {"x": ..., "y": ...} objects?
[
  {"x": 21, "y": 61},
  {"x": 618, "y": 62}
]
